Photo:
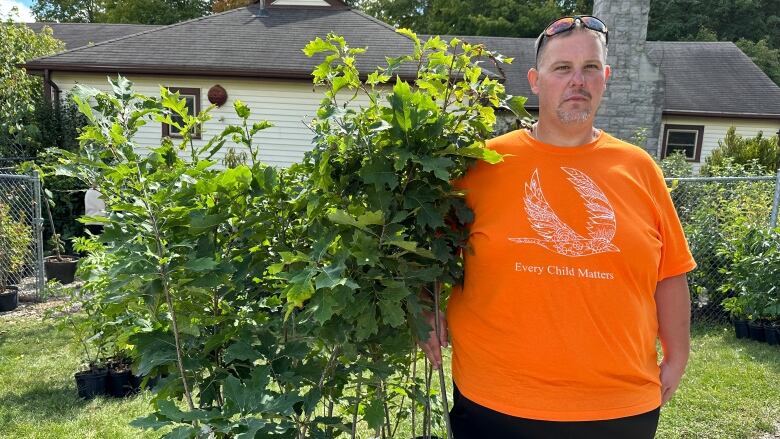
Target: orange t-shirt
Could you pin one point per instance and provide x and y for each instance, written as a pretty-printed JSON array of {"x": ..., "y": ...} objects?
[{"x": 556, "y": 319}]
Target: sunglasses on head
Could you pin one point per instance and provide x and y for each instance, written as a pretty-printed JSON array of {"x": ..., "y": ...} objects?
[{"x": 565, "y": 24}]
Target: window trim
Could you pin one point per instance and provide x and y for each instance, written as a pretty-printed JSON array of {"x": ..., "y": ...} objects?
[
  {"x": 184, "y": 91},
  {"x": 699, "y": 129}
]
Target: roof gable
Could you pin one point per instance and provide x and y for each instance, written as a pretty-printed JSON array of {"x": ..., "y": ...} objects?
[{"x": 238, "y": 43}]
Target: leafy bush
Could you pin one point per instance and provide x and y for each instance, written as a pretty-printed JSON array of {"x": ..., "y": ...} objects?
[
  {"x": 284, "y": 302},
  {"x": 15, "y": 240},
  {"x": 20, "y": 93},
  {"x": 754, "y": 275},
  {"x": 676, "y": 165},
  {"x": 713, "y": 215},
  {"x": 756, "y": 153}
]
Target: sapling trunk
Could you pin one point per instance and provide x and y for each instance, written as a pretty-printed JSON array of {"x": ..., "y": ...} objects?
[{"x": 445, "y": 405}]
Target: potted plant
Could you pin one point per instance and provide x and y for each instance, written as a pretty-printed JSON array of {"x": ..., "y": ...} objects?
[
  {"x": 15, "y": 239},
  {"x": 58, "y": 266},
  {"x": 91, "y": 379},
  {"x": 120, "y": 382},
  {"x": 772, "y": 320},
  {"x": 739, "y": 317}
]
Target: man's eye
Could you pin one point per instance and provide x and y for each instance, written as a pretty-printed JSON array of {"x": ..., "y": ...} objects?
[
  {"x": 593, "y": 66},
  {"x": 562, "y": 68}
]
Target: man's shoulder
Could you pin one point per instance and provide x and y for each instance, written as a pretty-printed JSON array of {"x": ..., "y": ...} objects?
[{"x": 504, "y": 141}]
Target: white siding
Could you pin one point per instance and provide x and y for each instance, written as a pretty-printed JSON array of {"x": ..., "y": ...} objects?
[
  {"x": 285, "y": 103},
  {"x": 715, "y": 129}
]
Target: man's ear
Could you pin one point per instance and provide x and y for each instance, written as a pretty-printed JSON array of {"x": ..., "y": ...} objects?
[
  {"x": 607, "y": 74},
  {"x": 533, "y": 77}
]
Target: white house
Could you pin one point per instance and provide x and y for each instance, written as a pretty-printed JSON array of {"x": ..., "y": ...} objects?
[{"x": 693, "y": 91}]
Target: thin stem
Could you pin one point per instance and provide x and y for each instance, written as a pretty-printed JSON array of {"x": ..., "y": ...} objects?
[
  {"x": 357, "y": 406},
  {"x": 445, "y": 405}
]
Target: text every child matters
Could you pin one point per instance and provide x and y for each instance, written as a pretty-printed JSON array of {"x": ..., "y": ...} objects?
[{"x": 557, "y": 270}]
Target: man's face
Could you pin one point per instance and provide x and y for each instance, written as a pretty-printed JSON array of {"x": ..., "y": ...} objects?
[{"x": 571, "y": 77}]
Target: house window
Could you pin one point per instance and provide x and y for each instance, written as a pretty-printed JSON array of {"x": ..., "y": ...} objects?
[
  {"x": 192, "y": 98},
  {"x": 684, "y": 138}
]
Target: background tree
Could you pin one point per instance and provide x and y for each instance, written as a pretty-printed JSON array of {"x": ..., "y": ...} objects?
[
  {"x": 69, "y": 11},
  {"x": 20, "y": 93},
  {"x": 120, "y": 11},
  {"x": 509, "y": 18},
  {"x": 754, "y": 25}
]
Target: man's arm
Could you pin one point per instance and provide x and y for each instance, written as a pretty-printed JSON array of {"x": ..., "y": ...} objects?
[{"x": 673, "y": 303}]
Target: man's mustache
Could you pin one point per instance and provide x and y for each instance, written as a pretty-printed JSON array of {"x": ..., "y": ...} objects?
[{"x": 578, "y": 94}]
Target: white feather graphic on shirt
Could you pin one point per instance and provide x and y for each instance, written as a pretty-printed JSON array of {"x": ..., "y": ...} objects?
[{"x": 558, "y": 236}]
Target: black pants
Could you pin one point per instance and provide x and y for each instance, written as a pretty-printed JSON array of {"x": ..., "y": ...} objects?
[{"x": 473, "y": 421}]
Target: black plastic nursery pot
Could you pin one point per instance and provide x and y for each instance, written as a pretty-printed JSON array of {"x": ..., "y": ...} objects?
[
  {"x": 9, "y": 299},
  {"x": 741, "y": 328},
  {"x": 91, "y": 383},
  {"x": 64, "y": 271},
  {"x": 772, "y": 335},
  {"x": 756, "y": 331},
  {"x": 119, "y": 383}
]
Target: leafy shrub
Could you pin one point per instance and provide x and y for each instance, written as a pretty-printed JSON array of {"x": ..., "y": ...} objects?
[
  {"x": 756, "y": 153},
  {"x": 676, "y": 165},
  {"x": 285, "y": 302},
  {"x": 754, "y": 275},
  {"x": 15, "y": 240}
]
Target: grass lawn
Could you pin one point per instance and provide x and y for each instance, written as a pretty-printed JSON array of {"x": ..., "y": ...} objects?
[{"x": 731, "y": 389}]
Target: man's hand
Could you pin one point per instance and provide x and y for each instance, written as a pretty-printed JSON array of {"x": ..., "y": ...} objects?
[
  {"x": 432, "y": 346},
  {"x": 671, "y": 374}
]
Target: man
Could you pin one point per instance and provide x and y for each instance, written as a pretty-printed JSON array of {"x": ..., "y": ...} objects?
[{"x": 577, "y": 262}]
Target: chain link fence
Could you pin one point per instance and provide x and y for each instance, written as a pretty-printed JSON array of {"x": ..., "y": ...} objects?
[
  {"x": 717, "y": 212},
  {"x": 20, "y": 202}
]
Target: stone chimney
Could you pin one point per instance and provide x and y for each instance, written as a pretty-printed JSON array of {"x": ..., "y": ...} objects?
[{"x": 635, "y": 92}]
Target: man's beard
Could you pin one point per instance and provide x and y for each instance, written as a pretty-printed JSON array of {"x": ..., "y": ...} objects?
[{"x": 573, "y": 116}]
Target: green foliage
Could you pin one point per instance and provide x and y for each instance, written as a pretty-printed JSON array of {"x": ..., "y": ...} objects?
[
  {"x": 754, "y": 275},
  {"x": 509, "y": 18},
  {"x": 753, "y": 25},
  {"x": 20, "y": 93},
  {"x": 268, "y": 295},
  {"x": 114, "y": 11},
  {"x": 766, "y": 57},
  {"x": 684, "y": 19},
  {"x": 759, "y": 155},
  {"x": 676, "y": 165},
  {"x": 15, "y": 239},
  {"x": 715, "y": 215}
]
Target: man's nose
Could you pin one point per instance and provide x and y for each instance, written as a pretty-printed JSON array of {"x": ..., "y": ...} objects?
[{"x": 578, "y": 77}]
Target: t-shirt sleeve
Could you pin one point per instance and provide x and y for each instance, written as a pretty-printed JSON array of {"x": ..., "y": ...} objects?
[{"x": 676, "y": 257}]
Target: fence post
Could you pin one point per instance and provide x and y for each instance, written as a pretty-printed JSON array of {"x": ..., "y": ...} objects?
[
  {"x": 776, "y": 201},
  {"x": 40, "y": 284}
]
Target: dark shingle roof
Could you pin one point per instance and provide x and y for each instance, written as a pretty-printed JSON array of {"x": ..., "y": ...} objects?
[
  {"x": 713, "y": 78},
  {"x": 700, "y": 78},
  {"x": 237, "y": 43},
  {"x": 81, "y": 34}
]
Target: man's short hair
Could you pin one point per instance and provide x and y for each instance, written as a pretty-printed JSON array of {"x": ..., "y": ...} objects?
[{"x": 578, "y": 27}]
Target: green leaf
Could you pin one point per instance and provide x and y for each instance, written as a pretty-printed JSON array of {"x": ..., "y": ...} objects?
[
  {"x": 182, "y": 432},
  {"x": 253, "y": 425},
  {"x": 201, "y": 264},
  {"x": 240, "y": 350},
  {"x": 317, "y": 46},
  {"x": 331, "y": 276},
  {"x": 392, "y": 313},
  {"x": 299, "y": 290},
  {"x": 366, "y": 323},
  {"x": 380, "y": 173},
  {"x": 242, "y": 110},
  {"x": 438, "y": 165},
  {"x": 515, "y": 104},
  {"x": 411, "y": 246},
  {"x": 374, "y": 414},
  {"x": 476, "y": 151}
]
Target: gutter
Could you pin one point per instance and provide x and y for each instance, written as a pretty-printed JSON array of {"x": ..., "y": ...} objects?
[
  {"x": 724, "y": 114},
  {"x": 48, "y": 85}
]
